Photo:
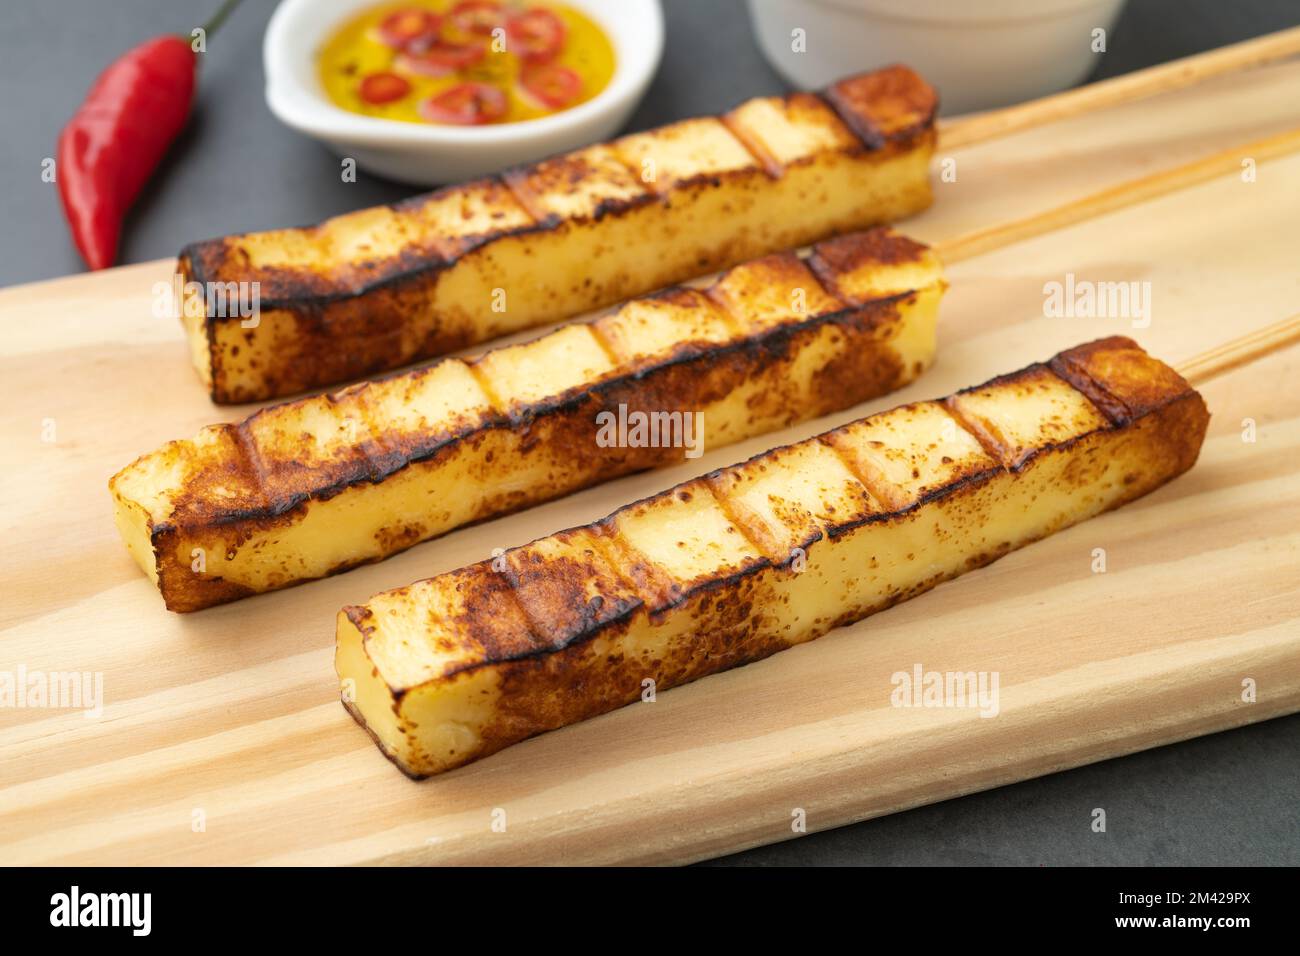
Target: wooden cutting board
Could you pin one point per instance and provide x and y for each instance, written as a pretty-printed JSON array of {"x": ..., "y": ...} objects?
[{"x": 222, "y": 741}]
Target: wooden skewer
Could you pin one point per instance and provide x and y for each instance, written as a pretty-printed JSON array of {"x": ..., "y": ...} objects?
[
  {"x": 1125, "y": 194},
  {"x": 1246, "y": 348},
  {"x": 1121, "y": 89}
]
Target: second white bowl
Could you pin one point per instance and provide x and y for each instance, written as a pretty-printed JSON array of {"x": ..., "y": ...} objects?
[{"x": 978, "y": 55}]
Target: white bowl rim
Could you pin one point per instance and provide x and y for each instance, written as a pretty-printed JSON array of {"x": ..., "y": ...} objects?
[
  {"x": 634, "y": 27},
  {"x": 1011, "y": 11}
]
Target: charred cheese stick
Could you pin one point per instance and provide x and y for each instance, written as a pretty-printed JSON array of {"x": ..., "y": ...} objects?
[
  {"x": 384, "y": 287},
  {"x": 749, "y": 560},
  {"x": 316, "y": 486}
]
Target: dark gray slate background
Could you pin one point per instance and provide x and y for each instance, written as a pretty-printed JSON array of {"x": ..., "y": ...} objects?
[{"x": 1226, "y": 799}]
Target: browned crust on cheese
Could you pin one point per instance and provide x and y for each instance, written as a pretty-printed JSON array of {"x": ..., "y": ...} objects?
[
  {"x": 562, "y": 174},
  {"x": 551, "y": 678},
  {"x": 1119, "y": 378},
  {"x": 291, "y": 289},
  {"x": 845, "y": 254},
  {"x": 693, "y": 376},
  {"x": 888, "y": 107},
  {"x": 250, "y": 489},
  {"x": 1177, "y": 440},
  {"x": 346, "y": 322}
]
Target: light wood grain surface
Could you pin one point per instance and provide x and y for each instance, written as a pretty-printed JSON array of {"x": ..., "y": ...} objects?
[{"x": 232, "y": 713}]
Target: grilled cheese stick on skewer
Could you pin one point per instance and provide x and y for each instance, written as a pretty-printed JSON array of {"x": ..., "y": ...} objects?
[
  {"x": 749, "y": 560},
  {"x": 381, "y": 288},
  {"x": 319, "y": 485}
]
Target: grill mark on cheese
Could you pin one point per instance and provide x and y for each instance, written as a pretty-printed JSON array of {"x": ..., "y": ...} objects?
[
  {"x": 799, "y": 109},
  {"x": 762, "y": 158},
  {"x": 1126, "y": 388},
  {"x": 877, "y": 490},
  {"x": 889, "y": 104},
  {"x": 835, "y": 259},
  {"x": 870, "y": 458},
  {"x": 760, "y": 536},
  {"x": 987, "y": 442},
  {"x": 628, "y": 567},
  {"x": 498, "y": 402},
  {"x": 557, "y": 607},
  {"x": 727, "y": 603},
  {"x": 606, "y": 346},
  {"x": 750, "y": 525},
  {"x": 1036, "y": 381},
  {"x": 558, "y": 181}
]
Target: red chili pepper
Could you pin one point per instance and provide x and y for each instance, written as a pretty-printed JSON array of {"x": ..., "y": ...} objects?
[{"x": 107, "y": 151}]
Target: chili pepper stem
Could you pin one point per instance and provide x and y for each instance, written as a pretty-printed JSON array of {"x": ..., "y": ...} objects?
[{"x": 218, "y": 18}]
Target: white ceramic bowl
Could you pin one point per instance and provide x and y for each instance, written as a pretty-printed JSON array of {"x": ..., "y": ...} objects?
[
  {"x": 979, "y": 55},
  {"x": 427, "y": 155}
]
